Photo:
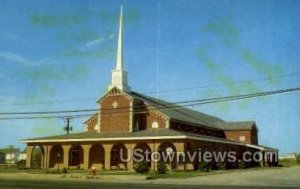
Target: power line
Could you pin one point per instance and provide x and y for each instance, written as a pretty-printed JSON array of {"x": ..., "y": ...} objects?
[
  {"x": 171, "y": 106},
  {"x": 167, "y": 91}
]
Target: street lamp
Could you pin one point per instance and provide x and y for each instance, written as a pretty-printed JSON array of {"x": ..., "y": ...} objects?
[{"x": 58, "y": 158}]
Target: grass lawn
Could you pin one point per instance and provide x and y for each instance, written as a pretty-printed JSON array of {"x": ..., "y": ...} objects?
[
  {"x": 289, "y": 162},
  {"x": 149, "y": 176}
]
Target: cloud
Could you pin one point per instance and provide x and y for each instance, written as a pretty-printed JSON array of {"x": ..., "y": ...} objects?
[
  {"x": 259, "y": 65},
  {"x": 54, "y": 20},
  {"x": 19, "y": 59},
  {"x": 80, "y": 36},
  {"x": 16, "y": 58},
  {"x": 98, "y": 40},
  {"x": 225, "y": 30},
  {"x": 94, "y": 42},
  {"x": 53, "y": 72}
]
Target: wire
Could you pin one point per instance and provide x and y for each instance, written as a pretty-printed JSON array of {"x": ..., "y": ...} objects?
[
  {"x": 167, "y": 91},
  {"x": 171, "y": 106}
]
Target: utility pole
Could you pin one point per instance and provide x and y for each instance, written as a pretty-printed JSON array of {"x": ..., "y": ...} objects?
[{"x": 68, "y": 128}]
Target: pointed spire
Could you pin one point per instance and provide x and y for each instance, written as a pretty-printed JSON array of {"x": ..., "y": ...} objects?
[
  {"x": 119, "y": 65},
  {"x": 119, "y": 75}
]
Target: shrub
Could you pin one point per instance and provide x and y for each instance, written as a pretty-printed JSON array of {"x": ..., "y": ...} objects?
[
  {"x": 142, "y": 167},
  {"x": 21, "y": 164},
  {"x": 298, "y": 158},
  {"x": 64, "y": 170},
  {"x": 221, "y": 165},
  {"x": 241, "y": 164},
  {"x": 204, "y": 166},
  {"x": 161, "y": 168}
]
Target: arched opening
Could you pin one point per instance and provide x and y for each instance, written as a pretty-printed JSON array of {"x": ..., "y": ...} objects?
[
  {"x": 37, "y": 157},
  {"x": 96, "y": 156},
  {"x": 142, "y": 153},
  {"x": 76, "y": 156},
  {"x": 168, "y": 154},
  {"x": 118, "y": 155},
  {"x": 56, "y": 156}
]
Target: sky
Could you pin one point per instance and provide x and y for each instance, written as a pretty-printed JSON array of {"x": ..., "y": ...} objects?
[{"x": 58, "y": 55}]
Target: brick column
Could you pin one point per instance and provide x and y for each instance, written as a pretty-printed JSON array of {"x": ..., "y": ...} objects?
[
  {"x": 154, "y": 148},
  {"x": 29, "y": 156},
  {"x": 180, "y": 147},
  {"x": 130, "y": 148},
  {"x": 86, "y": 151},
  {"x": 66, "y": 149},
  {"x": 46, "y": 156},
  {"x": 107, "y": 149}
]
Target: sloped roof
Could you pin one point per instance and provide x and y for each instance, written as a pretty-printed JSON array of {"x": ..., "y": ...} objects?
[
  {"x": 188, "y": 115},
  {"x": 180, "y": 113},
  {"x": 139, "y": 135},
  {"x": 229, "y": 126},
  {"x": 10, "y": 150},
  {"x": 161, "y": 133}
]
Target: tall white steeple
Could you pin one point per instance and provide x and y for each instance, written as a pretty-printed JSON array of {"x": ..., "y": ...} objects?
[{"x": 119, "y": 75}]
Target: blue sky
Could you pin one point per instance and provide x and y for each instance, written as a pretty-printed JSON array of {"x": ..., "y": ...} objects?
[{"x": 57, "y": 55}]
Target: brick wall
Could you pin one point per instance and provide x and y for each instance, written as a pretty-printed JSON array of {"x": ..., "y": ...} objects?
[
  {"x": 115, "y": 119},
  {"x": 91, "y": 123},
  {"x": 153, "y": 117},
  {"x": 235, "y": 135}
]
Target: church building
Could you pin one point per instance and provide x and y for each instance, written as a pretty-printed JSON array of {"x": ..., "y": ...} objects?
[{"x": 127, "y": 120}]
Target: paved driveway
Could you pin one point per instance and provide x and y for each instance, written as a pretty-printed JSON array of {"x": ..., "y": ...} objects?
[{"x": 284, "y": 177}]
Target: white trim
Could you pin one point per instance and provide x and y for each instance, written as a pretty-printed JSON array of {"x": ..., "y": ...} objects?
[
  {"x": 131, "y": 138},
  {"x": 261, "y": 148},
  {"x": 104, "y": 139}
]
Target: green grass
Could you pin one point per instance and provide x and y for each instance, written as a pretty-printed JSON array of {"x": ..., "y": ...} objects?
[{"x": 289, "y": 162}]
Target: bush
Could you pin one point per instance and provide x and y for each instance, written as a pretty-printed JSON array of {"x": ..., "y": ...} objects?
[
  {"x": 298, "y": 158},
  {"x": 21, "y": 164},
  {"x": 221, "y": 165},
  {"x": 142, "y": 167},
  {"x": 241, "y": 164},
  {"x": 161, "y": 168},
  {"x": 64, "y": 170},
  {"x": 204, "y": 166}
]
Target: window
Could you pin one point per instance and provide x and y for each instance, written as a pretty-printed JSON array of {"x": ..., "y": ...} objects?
[
  {"x": 242, "y": 138},
  {"x": 154, "y": 124}
]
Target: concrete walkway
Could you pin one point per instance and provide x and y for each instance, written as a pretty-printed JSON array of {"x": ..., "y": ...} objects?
[{"x": 284, "y": 177}]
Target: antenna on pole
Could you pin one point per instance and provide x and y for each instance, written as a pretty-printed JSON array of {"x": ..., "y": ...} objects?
[{"x": 68, "y": 128}]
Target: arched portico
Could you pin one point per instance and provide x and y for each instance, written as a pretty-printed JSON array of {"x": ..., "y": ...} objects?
[
  {"x": 75, "y": 156},
  {"x": 118, "y": 156},
  {"x": 168, "y": 154},
  {"x": 56, "y": 156},
  {"x": 96, "y": 156},
  {"x": 37, "y": 157},
  {"x": 142, "y": 153}
]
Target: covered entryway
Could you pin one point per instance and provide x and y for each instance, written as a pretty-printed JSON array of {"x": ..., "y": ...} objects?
[
  {"x": 56, "y": 156},
  {"x": 37, "y": 157},
  {"x": 76, "y": 156},
  {"x": 118, "y": 156},
  {"x": 168, "y": 154},
  {"x": 96, "y": 156},
  {"x": 142, "y": 153}
]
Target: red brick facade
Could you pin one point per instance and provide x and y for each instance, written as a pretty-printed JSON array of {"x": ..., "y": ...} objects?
[
  {"x": 115, "y": 113},
  {"x": 245, "y": 136},
  {"x": 120, "y": 112}
]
